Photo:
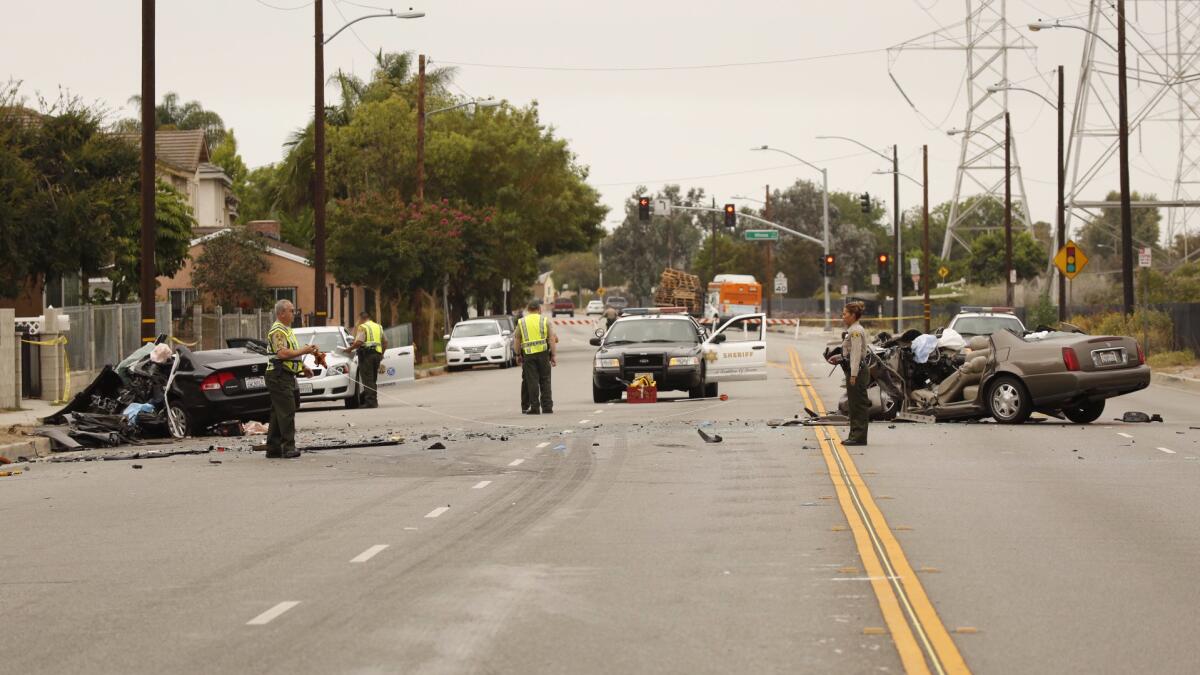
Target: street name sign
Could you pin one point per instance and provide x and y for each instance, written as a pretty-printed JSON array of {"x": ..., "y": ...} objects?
[{"x": 761, "y": 235}]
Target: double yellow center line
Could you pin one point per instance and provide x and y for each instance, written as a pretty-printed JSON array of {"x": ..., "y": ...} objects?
[{"x": 923, "y": 643}]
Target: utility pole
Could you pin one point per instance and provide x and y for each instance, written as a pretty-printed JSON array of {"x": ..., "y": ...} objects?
[
  {"x": 714, "y": 240},
  {"x": 320, "y": 309},
  {"x": 1008, "y": 267},
  {"x": 147, "y": 280},
  {"x": 897, "y": 304},
  {"x": 1123, "y": 137},
  {"x": 769, "y": 283},
  {"x": 1062, "y": 206},
  {"x": 927, "y": 279},
  {"x": 421, "y": 129}
]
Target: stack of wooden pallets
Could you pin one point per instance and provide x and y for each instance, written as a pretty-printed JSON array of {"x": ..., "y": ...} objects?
[{"x": 679, "y": 289}]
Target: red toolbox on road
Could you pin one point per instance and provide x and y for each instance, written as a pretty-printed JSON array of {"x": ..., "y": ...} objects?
[{"x": 641, "y": 395}]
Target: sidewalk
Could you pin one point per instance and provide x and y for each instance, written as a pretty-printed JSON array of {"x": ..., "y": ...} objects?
[{"x": 32, "y": 410}]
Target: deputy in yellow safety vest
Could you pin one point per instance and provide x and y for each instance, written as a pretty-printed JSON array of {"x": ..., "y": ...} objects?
[
  {"x": 370, "y": 344},
  {"x": 282, "y": 369},
  {"x": 534, "y": 344}
]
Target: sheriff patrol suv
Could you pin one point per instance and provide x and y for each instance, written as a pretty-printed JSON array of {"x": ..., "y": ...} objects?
[{"x": 671, "y": 347}]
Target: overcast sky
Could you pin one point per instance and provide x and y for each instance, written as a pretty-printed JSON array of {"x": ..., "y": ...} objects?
[{"x": 253, "y": 65}]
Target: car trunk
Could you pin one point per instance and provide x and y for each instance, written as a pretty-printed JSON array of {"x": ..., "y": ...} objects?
[
  {"x": 235, "y": 372},
  {"x": 1101, "y": 354}
]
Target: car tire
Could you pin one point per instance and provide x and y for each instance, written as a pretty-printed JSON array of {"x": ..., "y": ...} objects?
[
  {"x": 601, "y": 395},
  {"x": 696, "y": 391},
  {"x": 181, "y": 424},
  {"x": 1086, "y": 412},
  {"x": 710, "y": 390},
  {"x": 354, "y": 400},
  {"x": 1008, "y": 400},
  {"x": 453, "y": 369}
]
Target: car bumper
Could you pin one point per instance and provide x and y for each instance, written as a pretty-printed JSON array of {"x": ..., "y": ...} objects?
[
  {"x": 481, "y": 359},
  {"x": 209, "y": 407},
  {"x": 325, "y": 388},
  {"x": 1070, "y": 387},
  {"x": 676, "y": 378}
]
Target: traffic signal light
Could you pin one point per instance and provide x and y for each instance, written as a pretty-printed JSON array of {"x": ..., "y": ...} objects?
[
  {"x": 883, "y": 259},
  {"x": 1071, "y": 268},
  {"x": 643, "y": 208},
  {"x": 730, "y": 215},
  {"x": 827, "y": 261},
  {"x": 864, "y": 201}
]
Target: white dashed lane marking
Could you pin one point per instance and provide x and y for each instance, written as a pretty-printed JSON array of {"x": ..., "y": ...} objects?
[
  {"x": 1122, "y": 433},
  {"x": 584, "y": 421},
  {"x": 516, "y": 462},
  {"x": 369, "y": 553},
  {"x": 437, "y": 512},
  {"x": 542, "y": 445},
  {"x": 271, "y": 614},
  {"x": 1168, "y": 451},
  {"x": 481, "y": 484}
]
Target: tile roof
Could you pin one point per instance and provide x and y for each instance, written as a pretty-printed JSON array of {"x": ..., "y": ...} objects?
[{"x": 182, "y": 148}]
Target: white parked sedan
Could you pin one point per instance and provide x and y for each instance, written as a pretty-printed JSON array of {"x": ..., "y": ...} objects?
[
  {"x": 339, "y": 382},
  {"x": 595, "y": 307},
  {"x": 479, "y": 342}
]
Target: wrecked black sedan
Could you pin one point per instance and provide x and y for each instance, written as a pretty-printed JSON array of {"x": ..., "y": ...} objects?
[{"x": 158, "y": 391}]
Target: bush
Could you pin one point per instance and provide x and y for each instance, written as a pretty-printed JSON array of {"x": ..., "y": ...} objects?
[
  {"x": 1159, "y": 328},
  {"x": 1044, "y": 313},
  {"x": 1172, "y": 359}
]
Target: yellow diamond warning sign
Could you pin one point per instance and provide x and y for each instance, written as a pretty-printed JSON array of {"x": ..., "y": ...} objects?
[{"x": 1070, "y": 260}]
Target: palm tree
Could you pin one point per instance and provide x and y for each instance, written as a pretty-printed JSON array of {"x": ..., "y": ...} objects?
[{"x": 171, "y": 114}]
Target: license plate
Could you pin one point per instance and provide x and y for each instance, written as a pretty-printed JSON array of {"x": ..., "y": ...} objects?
[
  {"x": 255, "y": 382},
  {"x": 474, "y": 358},
  {"x": 1113, "y": 357},
  {"x": 305, "y": 387}
]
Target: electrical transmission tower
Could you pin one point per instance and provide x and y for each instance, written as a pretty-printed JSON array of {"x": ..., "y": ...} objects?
[
  {"x": 986, "y": 40},
  {"x": 1164, "y": 55}
]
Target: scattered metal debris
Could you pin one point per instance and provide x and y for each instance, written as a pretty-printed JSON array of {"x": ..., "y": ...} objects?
[{"x": 714, "y": 438}]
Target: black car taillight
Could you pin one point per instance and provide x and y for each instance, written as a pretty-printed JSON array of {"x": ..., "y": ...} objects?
[
  {"x": 1070, "y": 359},
  {"x": 216, "y": 381}
]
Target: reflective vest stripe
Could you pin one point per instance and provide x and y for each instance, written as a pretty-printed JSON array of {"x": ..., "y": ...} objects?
[
  {"x": 533, "y": 338},
  {"x": 294, "y": 365}
]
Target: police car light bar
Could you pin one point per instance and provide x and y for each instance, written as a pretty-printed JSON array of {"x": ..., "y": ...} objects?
[
  {"x": 993, "y": 310},
  {"x": 641, "y": 311}
]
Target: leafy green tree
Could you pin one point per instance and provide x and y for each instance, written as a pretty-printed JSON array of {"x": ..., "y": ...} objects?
[
  {"x": 987, "y": 262},
  {"x": 173, "y": 233},
  {"x": 637, "y": 251},
  {"x": 225, "y": 155},
  {"x": 576, "y": 270},
  {"x": 171, "y": 113},
  {"x": 229, "y": 271},
  {"x": 1101, "y": 237},
  {"x": 734, "y": 256}
]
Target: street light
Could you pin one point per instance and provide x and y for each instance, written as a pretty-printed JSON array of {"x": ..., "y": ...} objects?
[
  {"x": 897, "y": 303},
  {"x": 824, "y": 216},
  {"x": 321, "y": 299},
  {"x": 926, "y": 273},
  {"x": 1123, "y": 145},
  {"x": 1060, "y": 213}
]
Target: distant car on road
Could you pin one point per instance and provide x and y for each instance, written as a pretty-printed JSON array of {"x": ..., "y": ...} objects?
[
  {"x": 595, "y": 307},
  {"x": 616, "y": 302},
  {"x": 339, "y": 380},
  {"x": 563, "y": 306},
  {"x": 972, "y": 321},
  {"x": 674, "y": 350},
  {"x": 479, "y": 342}
]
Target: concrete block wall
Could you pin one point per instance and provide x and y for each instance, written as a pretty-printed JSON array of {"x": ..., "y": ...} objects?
[{"x": 10, "y": 378}]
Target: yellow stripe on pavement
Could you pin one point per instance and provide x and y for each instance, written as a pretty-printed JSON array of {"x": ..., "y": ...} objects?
[{"x": 916, "y": 628}]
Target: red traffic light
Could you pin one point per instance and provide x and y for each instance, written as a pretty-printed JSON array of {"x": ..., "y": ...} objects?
[
  {"x": 829, "y": 260},
  {"x": 644, "y": 201},
  {"x": 883, "y": 258},
  {"x": 729, "y": 208}
]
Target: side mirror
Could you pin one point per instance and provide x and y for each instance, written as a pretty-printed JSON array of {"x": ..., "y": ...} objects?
[
  {"x": 595, "y": 342},
  {"x": 445, "y": 337},
  {"x": 718, "y": 338}
]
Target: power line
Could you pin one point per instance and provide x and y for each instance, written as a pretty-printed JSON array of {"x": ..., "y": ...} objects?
[
  {"x": 730, "y": 173},
  {"x": 624, "y": 69},
  {"x": 284, "y": 9}
]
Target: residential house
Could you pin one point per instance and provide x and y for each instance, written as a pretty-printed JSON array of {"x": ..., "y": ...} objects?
[{"x": 543, "y": 289}]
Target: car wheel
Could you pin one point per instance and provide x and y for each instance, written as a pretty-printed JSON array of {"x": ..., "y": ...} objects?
[
  {"x": 1086, "y": 412},
  {"x": 602, "y": 395},
  {"x": 180, "y": 423},
  {"x": 1008, "y": 401},
  {"x": 354, "y": 400},
  {"x": 453, "y": 369},
  {"x": 710, "y": 390},
  {"x": 696, "y": 391}
]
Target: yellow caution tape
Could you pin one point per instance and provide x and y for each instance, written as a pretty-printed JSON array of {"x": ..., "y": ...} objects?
[
  {"x": 189, "y": 345},
  {"x": 60, "y": 340}
]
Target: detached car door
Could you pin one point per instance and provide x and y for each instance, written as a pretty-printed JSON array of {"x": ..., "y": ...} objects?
[
  {"x": 398, "y": 365},
  {"x": 741, "y": 354}
]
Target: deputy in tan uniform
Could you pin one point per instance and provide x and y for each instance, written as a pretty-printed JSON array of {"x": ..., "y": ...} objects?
[{"x": 858, "y": 373}]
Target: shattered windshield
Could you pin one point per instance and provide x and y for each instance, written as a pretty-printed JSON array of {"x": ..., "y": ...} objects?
[{"x": 986, "y": 325}]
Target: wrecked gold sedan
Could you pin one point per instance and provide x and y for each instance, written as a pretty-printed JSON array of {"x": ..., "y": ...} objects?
[{"x": 1004, "y": 376}]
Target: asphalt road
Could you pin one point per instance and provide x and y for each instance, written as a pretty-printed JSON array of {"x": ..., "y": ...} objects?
[{"x": 611, "y": 538}]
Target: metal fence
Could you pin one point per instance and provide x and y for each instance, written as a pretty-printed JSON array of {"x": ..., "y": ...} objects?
[
  {"x": 210, "y": 331},
  {"x": 105, "y": 334}
]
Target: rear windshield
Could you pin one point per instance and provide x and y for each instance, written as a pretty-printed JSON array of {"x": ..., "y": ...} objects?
[
  {"x": 325, "y": 340},
  {"x": 657, "y": 330},
  {"x": 986, "y": 325},
  {"x": 465, "y": 330}
]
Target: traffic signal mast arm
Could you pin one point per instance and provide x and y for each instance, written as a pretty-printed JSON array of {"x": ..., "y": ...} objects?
[{"x": 754, "y": 218}]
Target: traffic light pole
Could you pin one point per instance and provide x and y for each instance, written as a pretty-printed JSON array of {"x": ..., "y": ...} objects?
[{"x": 898, "y": 302}]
